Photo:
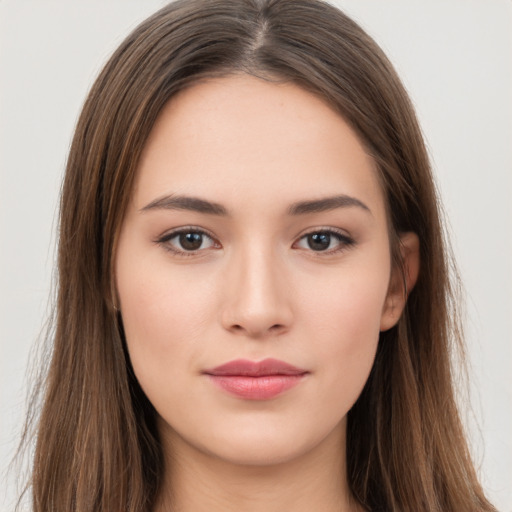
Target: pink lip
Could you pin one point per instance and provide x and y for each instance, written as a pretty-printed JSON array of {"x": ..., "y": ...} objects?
[{"x": 256, "y": 380}]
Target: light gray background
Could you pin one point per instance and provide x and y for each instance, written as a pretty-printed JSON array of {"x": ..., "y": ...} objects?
[{"x": 455, "y": 57}]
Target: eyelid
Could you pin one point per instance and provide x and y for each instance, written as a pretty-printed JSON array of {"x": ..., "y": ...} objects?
[
  {"x": 169, "y": 235},
  {"x": 345, "y": 240}
]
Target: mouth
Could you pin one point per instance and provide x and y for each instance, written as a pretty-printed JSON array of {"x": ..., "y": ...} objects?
[{"x": 253, "y": 380}]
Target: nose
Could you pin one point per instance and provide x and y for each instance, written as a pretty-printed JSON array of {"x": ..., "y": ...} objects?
[{"x": 257, "y": 299}]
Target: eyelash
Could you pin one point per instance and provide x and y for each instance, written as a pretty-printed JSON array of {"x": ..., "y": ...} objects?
[
  {"x": 164, "y": 240},
  {"x": 344, "y": 240}
]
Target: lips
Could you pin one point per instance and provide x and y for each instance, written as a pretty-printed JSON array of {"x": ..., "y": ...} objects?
[{"x": 253, "y": 380}]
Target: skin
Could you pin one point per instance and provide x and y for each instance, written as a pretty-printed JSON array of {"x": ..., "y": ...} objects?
[{"x": 256, "y": 288}]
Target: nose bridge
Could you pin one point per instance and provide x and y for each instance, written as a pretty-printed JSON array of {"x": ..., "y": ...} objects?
[{"x": 258, "y": 297}]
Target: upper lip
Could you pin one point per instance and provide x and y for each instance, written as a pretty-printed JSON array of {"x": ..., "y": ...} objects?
[{"x": 249, "y": 368}]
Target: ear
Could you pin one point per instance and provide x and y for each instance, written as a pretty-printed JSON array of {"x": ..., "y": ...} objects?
[{"x": 402, "y": 281}]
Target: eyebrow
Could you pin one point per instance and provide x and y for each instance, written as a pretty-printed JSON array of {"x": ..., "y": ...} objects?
[
  {"x": 195, "y": 204},
  {"x": 326, "y": 204}
]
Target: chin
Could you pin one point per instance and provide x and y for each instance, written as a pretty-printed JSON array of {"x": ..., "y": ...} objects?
[
  {"x": 265, "y": 444},
  {"x": 259, "y": 453}
]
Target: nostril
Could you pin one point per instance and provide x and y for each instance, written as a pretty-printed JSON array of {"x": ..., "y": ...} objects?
[{"x": 275, "y": 329}]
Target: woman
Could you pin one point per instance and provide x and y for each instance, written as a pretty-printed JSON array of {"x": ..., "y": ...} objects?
[{"x": 254, "y": 306}]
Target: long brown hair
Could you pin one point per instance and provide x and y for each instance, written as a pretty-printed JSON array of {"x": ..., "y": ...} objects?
[{"x": 97, "y": 445}]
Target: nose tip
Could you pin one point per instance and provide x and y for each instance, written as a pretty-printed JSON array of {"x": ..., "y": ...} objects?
[{"x": 257, "y": 300}]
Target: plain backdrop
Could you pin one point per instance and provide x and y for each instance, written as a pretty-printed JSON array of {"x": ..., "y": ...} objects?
[{"x": 455, "y": 58}]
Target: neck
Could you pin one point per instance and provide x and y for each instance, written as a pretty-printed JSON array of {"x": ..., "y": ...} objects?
[{"x": 195, "y": 480}]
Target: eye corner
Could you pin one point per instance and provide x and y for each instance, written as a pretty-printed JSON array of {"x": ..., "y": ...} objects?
[
  {"x": 345, "y": 241},
  {"x": 165, "y": 241}
]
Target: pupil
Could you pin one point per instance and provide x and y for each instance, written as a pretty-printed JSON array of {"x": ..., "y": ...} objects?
[
  {"x": 319, "y": 241},
  {"x": 191, "y": 241}
]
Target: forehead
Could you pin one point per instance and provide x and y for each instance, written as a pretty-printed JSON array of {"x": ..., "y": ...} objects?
[{"x": 243, "y": 141}]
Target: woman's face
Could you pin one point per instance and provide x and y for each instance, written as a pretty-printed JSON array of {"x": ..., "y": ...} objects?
[{"x": 257, "y": 230}]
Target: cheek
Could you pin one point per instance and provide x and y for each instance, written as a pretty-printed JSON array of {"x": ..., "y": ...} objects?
[
  {"x": 164, "y": 317},
  {"x": 350, "y": 304},
  {"x": 345, "y": 324}
]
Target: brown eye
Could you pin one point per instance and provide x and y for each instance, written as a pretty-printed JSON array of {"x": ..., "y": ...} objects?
[
  {"x": 186, "y": 241},
  {"x": 319, "y": 241},
  {"x": 327, "y": 240},
  {"x": 190, "y": 241}
]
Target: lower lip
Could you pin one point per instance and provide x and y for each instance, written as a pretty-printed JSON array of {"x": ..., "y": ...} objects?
[{"x": 256, "y": 388}]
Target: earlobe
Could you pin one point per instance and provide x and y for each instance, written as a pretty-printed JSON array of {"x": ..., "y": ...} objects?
[{"x": 403, "y": 279}]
